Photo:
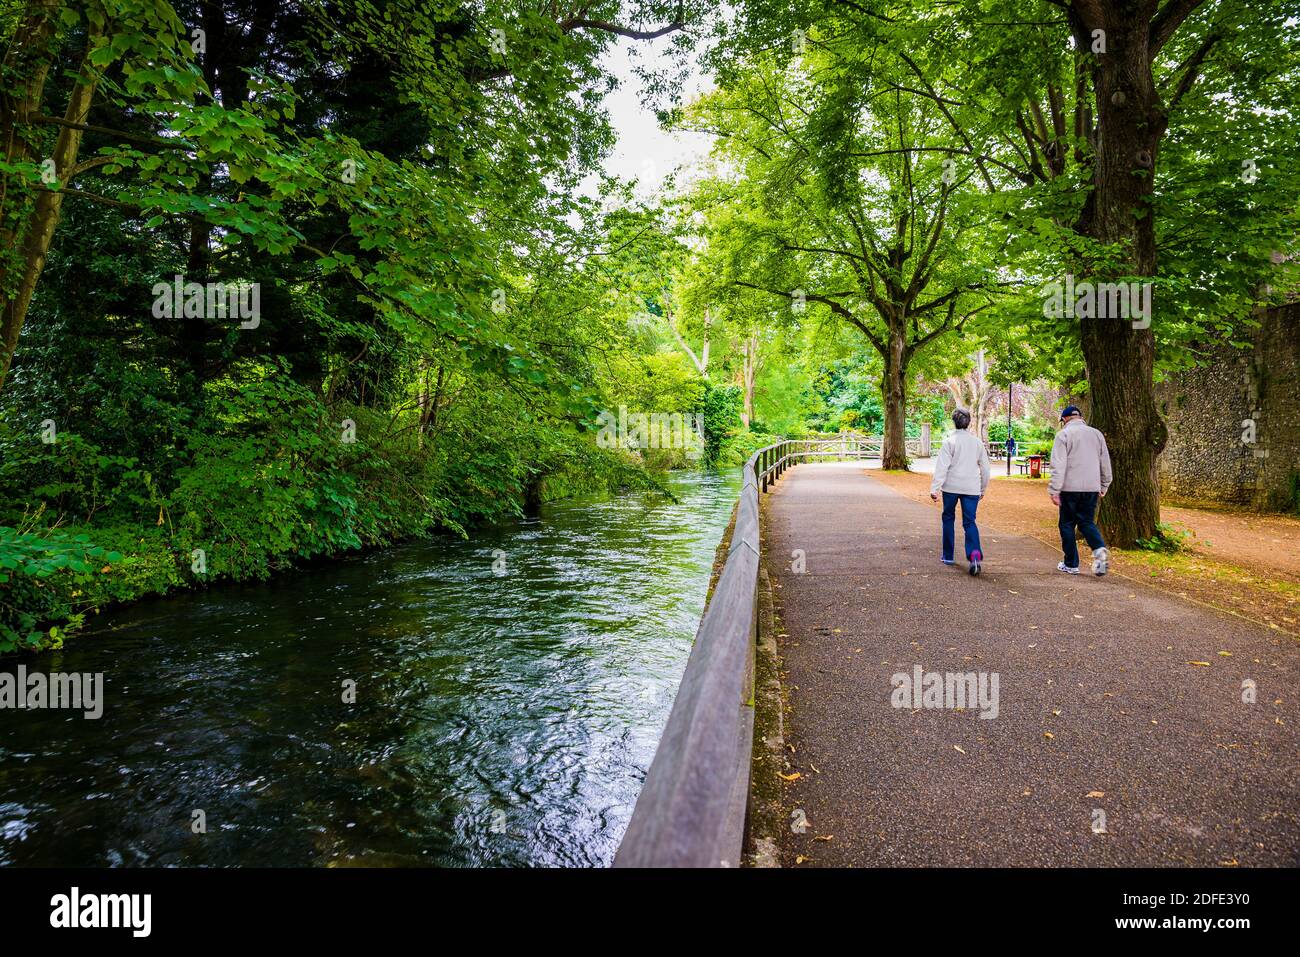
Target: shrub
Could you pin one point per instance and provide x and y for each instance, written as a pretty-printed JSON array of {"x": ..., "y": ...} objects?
[{"x": 42, "y": 581}]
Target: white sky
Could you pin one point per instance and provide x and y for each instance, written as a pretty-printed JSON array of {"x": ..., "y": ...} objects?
[{"x": 645, "y": 152}]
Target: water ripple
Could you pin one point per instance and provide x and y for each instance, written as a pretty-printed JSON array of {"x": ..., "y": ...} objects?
[{"x": 499, "y": 719}]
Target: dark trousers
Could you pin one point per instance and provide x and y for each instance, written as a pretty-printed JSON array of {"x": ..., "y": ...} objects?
[
  {"x": 970, "y": 533},
  {"x": 1077, "y": 511}
]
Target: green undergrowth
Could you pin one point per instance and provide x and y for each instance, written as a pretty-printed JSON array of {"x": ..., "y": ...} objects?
[{"x": 259, "y": 482}]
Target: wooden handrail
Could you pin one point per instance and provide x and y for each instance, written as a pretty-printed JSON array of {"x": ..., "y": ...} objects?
[{"x": 692, "y": 807}]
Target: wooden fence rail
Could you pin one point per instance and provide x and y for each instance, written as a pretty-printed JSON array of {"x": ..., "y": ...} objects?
[{"x": 691, "y": 811}]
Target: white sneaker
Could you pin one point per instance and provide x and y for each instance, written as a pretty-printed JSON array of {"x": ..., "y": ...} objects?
[
  {"x": 1101, "y": 561},
  {"x": 1062, "y": 567}
]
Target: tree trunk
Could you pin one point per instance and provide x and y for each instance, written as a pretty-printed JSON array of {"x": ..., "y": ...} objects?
[
  {"x": 701, "y": 361},
  {"x": 893, "y": 388},
  {"x": 1120, "y": 358},
  {"x": 38, "y": 231},
  {"x": 28, "y": 56},
  {"x": 972, "y": 392},
  {"x": 533, "y": 495},
  {"x": 703, "y": 365},
  {"x": 748, "y": 376}
]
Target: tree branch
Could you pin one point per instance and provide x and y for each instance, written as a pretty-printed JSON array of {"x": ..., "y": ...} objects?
[
  {"x": 582, "y": 23},
  {"x": 1165, "y": 23},
  {"x": 109, "y": 131},
  {"x": 1192, "y": 68},
  {"x": 825, "y": 300}
]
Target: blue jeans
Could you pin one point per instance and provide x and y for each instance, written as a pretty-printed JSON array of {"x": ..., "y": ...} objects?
[
  {"x": 970, "y": 533},
  {"x": 1077, "y": 510}
]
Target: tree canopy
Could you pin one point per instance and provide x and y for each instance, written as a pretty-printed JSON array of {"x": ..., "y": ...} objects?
[{"x": 281, "y": 280}]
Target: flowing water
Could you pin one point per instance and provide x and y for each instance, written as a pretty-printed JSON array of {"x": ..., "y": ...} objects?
[{"x": 509, "y": 694}]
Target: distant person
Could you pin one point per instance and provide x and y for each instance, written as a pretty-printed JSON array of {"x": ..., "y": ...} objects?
[
  {"x": 1080, "y": 478},
  {"x": 962, "y": 474},
  {"x": 1011, "y": 447}
]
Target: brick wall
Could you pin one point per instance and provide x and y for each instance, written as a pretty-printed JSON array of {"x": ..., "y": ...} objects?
[{"x": 1206, "y": 408}]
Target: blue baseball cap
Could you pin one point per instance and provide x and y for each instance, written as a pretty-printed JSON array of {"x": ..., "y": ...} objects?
[{"x": 1068, "y": 411}]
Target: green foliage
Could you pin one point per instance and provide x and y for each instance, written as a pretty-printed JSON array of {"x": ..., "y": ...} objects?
[
  {"x": 1168, "y": 540},
  {"x": 407, "y": 200},
  {"x": 1024, "y": 431},
  {"x": 42, "y": 576},
  {"x": 437, "y": 280},
  {"x": 850, "y": 400},
  {"x": 740, "y": 446},
  {"x": 720, "y": 407}
]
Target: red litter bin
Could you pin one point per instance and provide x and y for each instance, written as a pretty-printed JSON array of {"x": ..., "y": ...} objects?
[{"x": 1035, "y": 466}]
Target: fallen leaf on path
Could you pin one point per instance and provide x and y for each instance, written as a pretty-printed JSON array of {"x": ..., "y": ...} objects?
[
  {"x": 789, "y": 777},
  {"x": 1096, "y": 794},
  {"x": 1057, "y": 712},
  {"x": 1048, "y": 734},
  {"x": 823, "y": 837},
  {"x": 958, "y": 747},
  {"x": 1226, "y": 654},
  {"x": 1203, "y": 664},
  {"x": 800, "y": 859}
]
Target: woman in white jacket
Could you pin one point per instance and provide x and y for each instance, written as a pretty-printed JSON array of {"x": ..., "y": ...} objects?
[{"x": 962, "y": 474}]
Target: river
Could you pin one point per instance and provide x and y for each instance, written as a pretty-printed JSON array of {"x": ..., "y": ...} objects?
[{"x": 509, "y": 694}]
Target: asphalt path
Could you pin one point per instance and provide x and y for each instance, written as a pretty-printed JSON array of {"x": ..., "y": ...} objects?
[{"x": 1121, "y": 736}]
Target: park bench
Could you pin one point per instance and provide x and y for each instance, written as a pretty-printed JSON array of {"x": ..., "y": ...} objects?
[{"x": 1023, "y": 465}]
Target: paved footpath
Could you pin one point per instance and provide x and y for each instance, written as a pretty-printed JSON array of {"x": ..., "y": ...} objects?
[{"x": 1102, "y": 720}]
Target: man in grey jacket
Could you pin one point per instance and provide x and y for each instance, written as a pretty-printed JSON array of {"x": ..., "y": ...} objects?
[{"x": 1080, "y": 477}]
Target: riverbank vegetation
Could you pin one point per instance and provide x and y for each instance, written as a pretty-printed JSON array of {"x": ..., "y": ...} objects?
[{"x": 281, "y": 281}]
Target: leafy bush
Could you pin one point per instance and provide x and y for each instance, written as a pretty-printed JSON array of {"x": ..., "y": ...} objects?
[
  {"x": 739, "y": 447},
  {"x": 1168, "y": 539},
  {"x": 42, "y": 578},
  {"x": 721, "y": 407},
  {"x": 1023, "y": 429}
]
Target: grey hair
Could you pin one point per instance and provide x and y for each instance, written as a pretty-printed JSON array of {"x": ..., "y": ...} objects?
[{"x": 960, "y": 418}]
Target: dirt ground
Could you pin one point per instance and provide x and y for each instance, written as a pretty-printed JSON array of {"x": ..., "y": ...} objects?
[{"x": 1241, "y": 562}]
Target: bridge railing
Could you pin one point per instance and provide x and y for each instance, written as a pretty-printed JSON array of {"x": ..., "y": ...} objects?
[
  {"x": 691, "y": 811},
  {"x": 853, "y": 445}
]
